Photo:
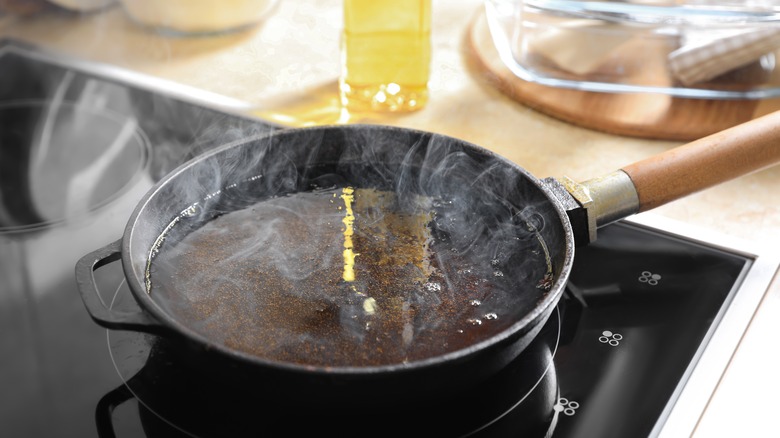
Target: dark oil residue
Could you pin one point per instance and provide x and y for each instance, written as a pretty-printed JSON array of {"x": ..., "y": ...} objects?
[{"x": 268, "y": 281}]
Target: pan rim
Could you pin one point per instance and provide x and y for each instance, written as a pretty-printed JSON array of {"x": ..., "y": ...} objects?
[{"x": 536, "y": 317}]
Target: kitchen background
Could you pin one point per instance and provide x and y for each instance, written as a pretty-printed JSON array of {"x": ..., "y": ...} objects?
[{"x": 284, "y": 71}]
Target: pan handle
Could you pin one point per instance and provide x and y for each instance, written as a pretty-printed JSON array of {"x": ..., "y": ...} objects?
[
  {"x": 136, "y": 320},
  {"x": 703, "y": 163},
  {"x": 678, "y": 172}
]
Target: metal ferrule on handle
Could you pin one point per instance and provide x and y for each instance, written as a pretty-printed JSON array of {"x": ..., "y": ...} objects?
[{"x": 605, "y": 199}]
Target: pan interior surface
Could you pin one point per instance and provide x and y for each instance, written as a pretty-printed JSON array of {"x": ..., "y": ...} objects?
[{"x": 351, "y": 253}]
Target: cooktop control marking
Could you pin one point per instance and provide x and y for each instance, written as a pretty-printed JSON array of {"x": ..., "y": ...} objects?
[
  {"x": 649, "y": 278},
  {"x": 613, "y": 339},
  {"x": 568, "y": 407}
]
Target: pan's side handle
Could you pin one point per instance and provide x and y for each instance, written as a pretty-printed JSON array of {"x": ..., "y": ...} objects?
[
  {"x": 136, "y": 320},
  {"x": 703, "y": 163}
]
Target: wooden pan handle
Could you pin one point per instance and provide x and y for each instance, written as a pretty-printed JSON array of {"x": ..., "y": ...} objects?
[{"x": 706, "y": 162}]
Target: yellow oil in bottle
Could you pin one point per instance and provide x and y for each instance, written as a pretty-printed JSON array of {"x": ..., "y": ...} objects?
[{"x": 386, "y": 53}]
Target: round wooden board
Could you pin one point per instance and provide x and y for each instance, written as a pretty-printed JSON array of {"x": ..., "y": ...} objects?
[{"x": 644, "y": 115}]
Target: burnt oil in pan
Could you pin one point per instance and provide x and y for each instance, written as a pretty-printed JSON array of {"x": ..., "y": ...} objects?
[{"x": 347, "y": 276}]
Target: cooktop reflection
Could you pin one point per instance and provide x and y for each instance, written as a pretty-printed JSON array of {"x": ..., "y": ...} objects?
[
  {"x": 174, "y": 399},
  {"x": 649, "y": 320}
]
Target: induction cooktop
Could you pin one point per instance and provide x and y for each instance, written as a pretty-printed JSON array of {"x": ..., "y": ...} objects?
[{"x": 651, "y": 316}]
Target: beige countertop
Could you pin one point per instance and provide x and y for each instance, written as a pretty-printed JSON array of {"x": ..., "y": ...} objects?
[{"x": 287, "y": 68}]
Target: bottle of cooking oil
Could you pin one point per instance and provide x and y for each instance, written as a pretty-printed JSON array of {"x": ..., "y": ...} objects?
[{"x": 385, "y": 55}]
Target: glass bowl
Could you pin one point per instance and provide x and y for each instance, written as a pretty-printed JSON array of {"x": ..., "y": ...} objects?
[
  {"x": 197, "y": 17},
  {"x": 694, "y": 49}
]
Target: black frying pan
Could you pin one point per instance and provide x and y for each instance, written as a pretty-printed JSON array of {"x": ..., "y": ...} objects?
[{"x": 502, "y": 245}]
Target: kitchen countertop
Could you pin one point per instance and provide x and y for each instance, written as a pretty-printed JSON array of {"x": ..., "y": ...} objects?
[{"x": 286, "y": 70}]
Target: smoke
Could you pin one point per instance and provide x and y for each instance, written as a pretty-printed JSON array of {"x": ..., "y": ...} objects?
[{"x": 451, "y": 243}]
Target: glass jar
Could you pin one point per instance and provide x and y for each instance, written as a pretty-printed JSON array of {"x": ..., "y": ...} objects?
[{"x": 386, "y": 55}]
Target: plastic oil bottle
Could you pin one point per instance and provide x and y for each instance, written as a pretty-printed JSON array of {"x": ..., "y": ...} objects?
[{"x": 385, "y": 55}]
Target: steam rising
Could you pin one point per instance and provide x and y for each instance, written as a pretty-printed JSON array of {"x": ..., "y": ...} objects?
[{"x": 447, "y": 247}]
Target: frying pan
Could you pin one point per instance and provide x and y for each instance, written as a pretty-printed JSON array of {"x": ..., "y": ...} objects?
[{"x": 521, "y": 229}]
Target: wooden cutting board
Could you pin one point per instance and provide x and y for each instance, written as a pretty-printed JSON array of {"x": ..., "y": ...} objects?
[{"x": 644, "y": 115}]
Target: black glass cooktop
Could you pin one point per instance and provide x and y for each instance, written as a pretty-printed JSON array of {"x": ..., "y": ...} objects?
[{"x": 642, "y": 311}]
